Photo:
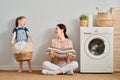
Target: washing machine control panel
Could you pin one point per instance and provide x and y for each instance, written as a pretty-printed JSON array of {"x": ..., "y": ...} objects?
[{"x": 97, "y": 31}]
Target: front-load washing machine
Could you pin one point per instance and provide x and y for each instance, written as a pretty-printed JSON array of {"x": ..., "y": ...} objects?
[{"x": 96, "y": 49}]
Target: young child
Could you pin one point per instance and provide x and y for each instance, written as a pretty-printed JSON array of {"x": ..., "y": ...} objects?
[{"x": 21, "y": 33}]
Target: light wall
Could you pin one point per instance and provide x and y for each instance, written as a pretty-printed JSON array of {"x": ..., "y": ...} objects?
[{"x": 42, "y": 17}]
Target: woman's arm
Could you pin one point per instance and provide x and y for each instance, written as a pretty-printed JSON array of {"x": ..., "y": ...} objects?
[
  {"x": 13, "y": 38},
  {"x": 53, "y": 54},
  {"x": 70, "y": 55}
]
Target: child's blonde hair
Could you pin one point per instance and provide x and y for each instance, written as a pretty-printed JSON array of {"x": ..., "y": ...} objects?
[{"x": 18, "y": 18}]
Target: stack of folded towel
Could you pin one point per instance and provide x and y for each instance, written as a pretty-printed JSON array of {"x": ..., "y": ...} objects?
[{"x": 61, "y": 51}]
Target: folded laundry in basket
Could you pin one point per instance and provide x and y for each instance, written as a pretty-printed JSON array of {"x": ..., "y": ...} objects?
[
  {"x": 19, "y": 46},
  {"x": 61, "y": 51}
]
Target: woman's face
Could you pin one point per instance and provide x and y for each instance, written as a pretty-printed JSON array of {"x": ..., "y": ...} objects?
[
  {"x": 58, "y": 31},
  {"x": 22, "y": 22}
]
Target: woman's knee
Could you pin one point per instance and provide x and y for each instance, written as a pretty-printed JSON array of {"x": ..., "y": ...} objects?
[
  {"x": 75, "y": 64},
  {"x": 45, "y": 63}
]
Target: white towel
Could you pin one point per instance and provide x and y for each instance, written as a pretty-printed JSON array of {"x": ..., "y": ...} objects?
[
  {"x": 61, "y": 51},
  {"x": 19, "y": 46}
]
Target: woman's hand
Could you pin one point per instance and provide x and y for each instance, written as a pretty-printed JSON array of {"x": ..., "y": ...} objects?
[
  {"x": 70, "y": 55},
  {"x": 51, "y": 53}
]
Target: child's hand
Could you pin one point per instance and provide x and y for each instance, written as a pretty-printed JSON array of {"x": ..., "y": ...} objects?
[
  {"x": 31, "y": 40},
  {"x": 12, "y": 42}
]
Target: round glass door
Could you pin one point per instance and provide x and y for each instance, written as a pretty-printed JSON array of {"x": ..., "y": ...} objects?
[{"x": 97, "y": 46}]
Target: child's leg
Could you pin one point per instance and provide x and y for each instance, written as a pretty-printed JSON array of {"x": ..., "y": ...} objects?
[
  {"x": 20, "y": 66},
  {"x": 29, "y": 65}
]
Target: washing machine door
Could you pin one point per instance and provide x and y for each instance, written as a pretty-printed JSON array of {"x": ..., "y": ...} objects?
[{"x": 97, "y": 46}]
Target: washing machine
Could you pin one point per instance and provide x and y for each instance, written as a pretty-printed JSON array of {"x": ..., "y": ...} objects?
[{"x": 96, "y": 49}]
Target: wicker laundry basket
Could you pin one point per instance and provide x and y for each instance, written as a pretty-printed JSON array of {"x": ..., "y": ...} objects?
[
  {"x": 25, "y": 54},
  {"x": 104, "y": 19}
]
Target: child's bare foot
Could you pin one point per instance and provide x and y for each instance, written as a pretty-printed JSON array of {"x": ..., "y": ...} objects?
[
  {"x": 20, "y": 70},
  {"x": 30, "y": 70}
]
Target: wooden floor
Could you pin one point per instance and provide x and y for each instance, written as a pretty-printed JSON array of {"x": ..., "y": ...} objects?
[{"x": 14, "y": 75}]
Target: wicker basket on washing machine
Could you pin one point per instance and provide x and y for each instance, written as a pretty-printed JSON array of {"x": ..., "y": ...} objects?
[{"x": 104, "y": 19}]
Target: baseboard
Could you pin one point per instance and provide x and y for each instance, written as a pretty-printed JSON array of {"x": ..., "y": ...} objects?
[
  {"x": 15, "y": 67},
  {"x": 25, "y": 67}
]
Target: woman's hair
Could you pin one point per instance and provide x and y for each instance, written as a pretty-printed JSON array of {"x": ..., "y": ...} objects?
[
  {"x": 18, "y": 18},
  {"x": 62, "y": 26}
]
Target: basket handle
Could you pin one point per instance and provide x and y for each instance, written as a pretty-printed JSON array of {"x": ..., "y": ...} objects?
[
  {"x": 99, "y": 10},
  {"x": 109, "y": 11}
]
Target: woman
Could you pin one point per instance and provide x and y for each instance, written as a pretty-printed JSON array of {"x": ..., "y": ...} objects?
[{"x": 60, "y": 63}]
